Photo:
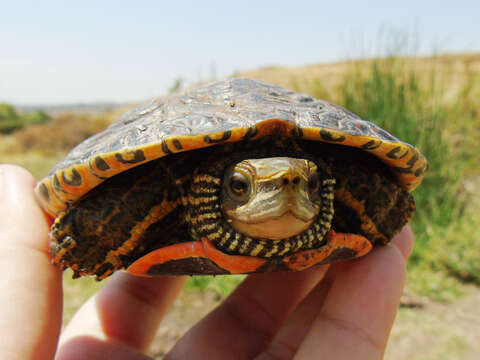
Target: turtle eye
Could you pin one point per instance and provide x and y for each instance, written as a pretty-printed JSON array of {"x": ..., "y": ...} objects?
[
  {"x": 313, "y": 183},
  {"x": 238, "y": 186}
]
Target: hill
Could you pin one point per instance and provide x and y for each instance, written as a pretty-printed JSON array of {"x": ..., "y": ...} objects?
[{"x": 456, "y": 69}]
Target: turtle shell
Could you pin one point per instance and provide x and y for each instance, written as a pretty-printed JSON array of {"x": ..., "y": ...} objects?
[{"x": 226, "y": 111}]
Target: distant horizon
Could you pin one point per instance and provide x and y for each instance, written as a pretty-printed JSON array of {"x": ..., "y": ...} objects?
[
  {"x": 84, "y": 52},
  {"x": 120, "y": 103}
]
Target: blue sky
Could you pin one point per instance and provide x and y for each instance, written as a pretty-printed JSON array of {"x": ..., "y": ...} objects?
[{"x": 56, "y": 52}]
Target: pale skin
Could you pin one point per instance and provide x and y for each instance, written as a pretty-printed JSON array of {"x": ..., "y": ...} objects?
[{"x": 343, "y": 311}]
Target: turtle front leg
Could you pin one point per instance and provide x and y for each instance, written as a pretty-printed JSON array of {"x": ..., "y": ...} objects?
[{"x": 70, "y": 250}]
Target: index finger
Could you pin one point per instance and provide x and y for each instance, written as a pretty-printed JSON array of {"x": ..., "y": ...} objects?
[{"x": 31, "y": 301}]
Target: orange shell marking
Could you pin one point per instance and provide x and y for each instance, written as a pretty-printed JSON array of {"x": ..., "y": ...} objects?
[
  {"x": 307, "y": 258},
  {"x": 235, "y": 264}
]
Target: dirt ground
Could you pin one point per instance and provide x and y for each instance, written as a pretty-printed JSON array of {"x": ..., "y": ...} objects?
[{"x": 436, "y": 331}]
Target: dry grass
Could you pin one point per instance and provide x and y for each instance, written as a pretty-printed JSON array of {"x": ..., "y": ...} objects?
[
  {"x": 60, "y": 134},
  {"x": 453, "y": 69}
]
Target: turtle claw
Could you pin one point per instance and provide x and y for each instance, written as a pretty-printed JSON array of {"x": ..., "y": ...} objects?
[
  {"x": 76, "y": 274},
  {"x": 61, "y": 249}
]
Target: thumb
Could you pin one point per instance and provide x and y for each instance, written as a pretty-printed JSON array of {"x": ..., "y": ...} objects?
[{"x": 31, "y": 301}]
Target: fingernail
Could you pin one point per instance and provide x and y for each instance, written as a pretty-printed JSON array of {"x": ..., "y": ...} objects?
[
  {"x": 404, "y": 241},
  {"x": 6, "y": 191},
  {"x": 16, "y": 184},
  {"x": 1, "y": 181}
]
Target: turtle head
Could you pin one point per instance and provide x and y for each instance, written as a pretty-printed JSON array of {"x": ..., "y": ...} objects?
[
  {"x": 261, "y": 206},
  {"x": 272, "y": 198}
]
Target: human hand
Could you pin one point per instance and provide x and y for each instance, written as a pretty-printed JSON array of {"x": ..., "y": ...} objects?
[{"x": 344, "y": 313}]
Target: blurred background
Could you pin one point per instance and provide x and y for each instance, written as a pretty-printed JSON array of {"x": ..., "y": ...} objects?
[{"x": 67, "y": 70}]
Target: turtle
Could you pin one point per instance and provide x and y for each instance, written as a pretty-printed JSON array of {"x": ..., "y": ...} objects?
[{"x": 235, "y": 176}]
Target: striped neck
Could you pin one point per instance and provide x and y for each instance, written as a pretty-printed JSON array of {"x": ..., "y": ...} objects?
[{"x": 205, "y": 218}]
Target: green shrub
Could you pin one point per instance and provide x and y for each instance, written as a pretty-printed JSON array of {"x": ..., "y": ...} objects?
[
  {"x": 11, "y": 120},
  {"x": 37, "y": 117},
  {"x": 8, "y": 112}
]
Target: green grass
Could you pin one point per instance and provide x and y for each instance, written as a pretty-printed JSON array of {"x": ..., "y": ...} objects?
[
  {"x": 12, "y": 120},
  {"x": 221, "y": 285},
  {"x": 36, "y": 163},
  {"x": 451, "y": 260},
  {"x": 392, "y": 96},
  {"x": 77, "y": 292}
]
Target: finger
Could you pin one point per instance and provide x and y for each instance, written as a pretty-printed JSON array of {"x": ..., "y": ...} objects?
[
  {"x": 91, "y": 348},
  {"x": 292, "y": 333},
  {"x": 246, "y": 321},
  {"x": 31, "y": 301},
  {"x": 404, "y": 241},
  {"x": 358, "y": 313},
  {"x": 127, "y": 310}
]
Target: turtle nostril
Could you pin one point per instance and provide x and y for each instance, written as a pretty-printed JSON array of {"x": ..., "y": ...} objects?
[{"x": 288, "y": 180}]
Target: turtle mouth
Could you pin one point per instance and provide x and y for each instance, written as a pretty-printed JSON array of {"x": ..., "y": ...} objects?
[{"x": 275, "y": 228}]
